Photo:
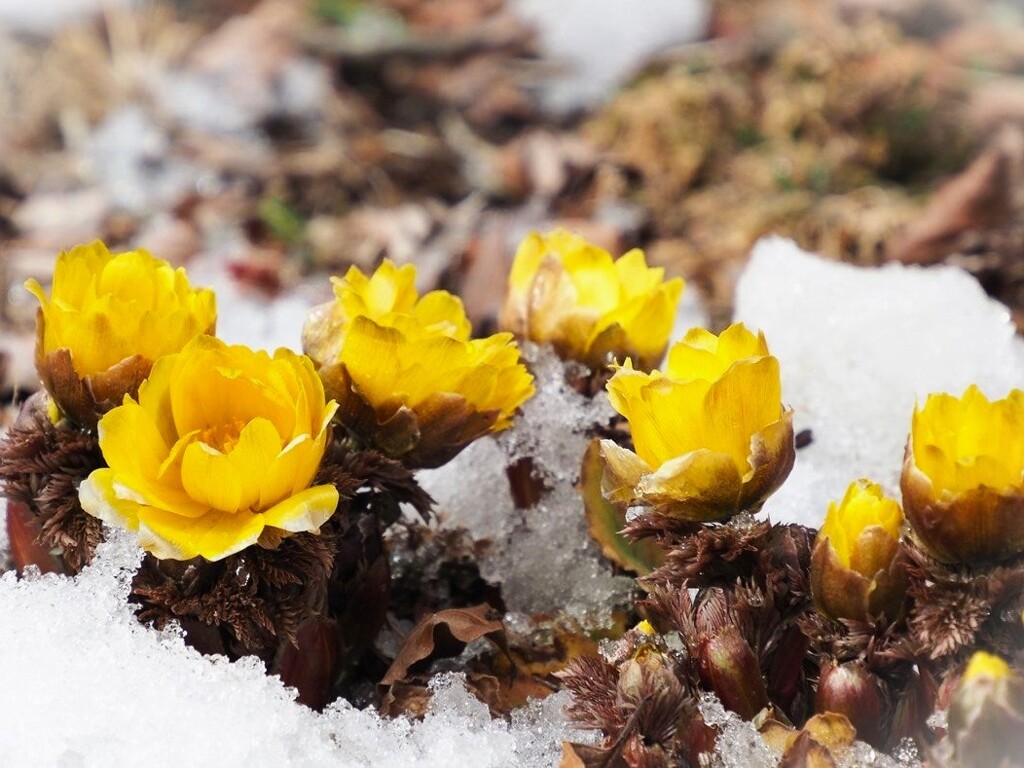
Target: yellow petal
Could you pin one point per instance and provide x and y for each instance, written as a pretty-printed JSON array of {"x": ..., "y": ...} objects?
[
  {"x": 702, "y": 355},
  {"x": 443, "y": 313},
  {"x": 371, "y": 356},
  {"x": 741, "y": 403},
  {"x": 305, "y": 511},
  {"x": 528, "y": 256},
  {"x": 593, "y": 275},
  {"x": 670, "y": 420},
  {"x": 219, "y": 384},
  {"x": 131, "y": 442},
  {"x": 555, "y": 312},
  {"x": 135, "y": 449},
  {"x": 290, "y": 471},
  {"x": 258, "y": 445},
  {"x": 622, "y": 474},
  {"x": 97, "y": 497},
  {"x": 969, "y": 442},
  {"x": 635, "y": 277},
  {"x": 213, "y": 536},
  {"x": 210, "y": 478}
]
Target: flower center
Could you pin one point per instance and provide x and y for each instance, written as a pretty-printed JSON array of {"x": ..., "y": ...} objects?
[{"x": 222, "y": 437}]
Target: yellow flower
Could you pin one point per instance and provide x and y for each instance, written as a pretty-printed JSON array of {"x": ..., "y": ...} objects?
[
  {"x": 986, "y": 713},
  {"x": 108, "y": 318},
  {"x": 985, "y": 665},
  {"x": 220, "y": 449},
  {"x": 408, "y": 377},
  {"x": 711, "y": 435},
  {"x": 963, "y": 477},
  {"x": 856, "y": 571},
  {"x": 567, "y": 292}
]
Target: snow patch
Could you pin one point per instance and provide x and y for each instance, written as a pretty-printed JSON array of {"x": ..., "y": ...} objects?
[
  {"x": 87, "y": 685},
  {"x": 857, "y": 347},
  {"x": 599, "y": 45}
]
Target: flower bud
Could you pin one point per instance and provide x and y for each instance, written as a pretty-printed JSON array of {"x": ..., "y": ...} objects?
[
  {"x": 729, "y": 667},
  {"x": 912, "y": 704},
  {"x": 711, "y": 435},
  {"x": 408, "y": 378},
  {"x": 571, "y": 294},
  {"x": 851, "y": 690},
  {"x": 963, "y": 477},
  {"x": 108, "y": 318},
  {"x": 856, "y": 569},
  {"x": 695, "y": 738},
  {"x": 986, "y": 715}
]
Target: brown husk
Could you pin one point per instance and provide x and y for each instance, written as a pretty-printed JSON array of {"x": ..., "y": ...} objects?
[{"x": 41, "y": 466}]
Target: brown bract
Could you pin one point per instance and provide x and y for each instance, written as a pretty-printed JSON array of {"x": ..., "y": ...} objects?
[
  {"x": 703, "y": 486},
  {"x": 41, "y": 466},
  {"x": 424, "y": 438},
  {"x": 729, "y": 667},
  {"x": 772, "y": 455},
  {"x": 85, "y": 399},
  {"x": 851, "y": 690},
  {"x": 975, "y": 526},
  {"x": 843, "y": 593}
]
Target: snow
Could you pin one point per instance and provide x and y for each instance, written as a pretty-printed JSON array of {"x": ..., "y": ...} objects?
[
  {"x": 132, "y": 159},
  {"x": 600, "y": 44},
  {"x": 857, "y": 347},
  {"x": 543, "y": 556},
  {"x": 739, "y": 745},
  {"x": 87, "y": 685}
]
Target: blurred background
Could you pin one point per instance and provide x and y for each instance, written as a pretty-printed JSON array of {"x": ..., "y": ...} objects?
[{"x": 266, "y": 143}]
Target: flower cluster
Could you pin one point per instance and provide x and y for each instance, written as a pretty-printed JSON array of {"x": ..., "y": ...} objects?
[
  {"x": 881, "y": 603},
  {"x": 218, "y": 455},
  {"x": 239, "y": 461},
  {"x": 211, "y": 448}
]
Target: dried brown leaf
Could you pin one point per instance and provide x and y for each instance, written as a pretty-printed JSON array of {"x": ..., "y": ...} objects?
[
  {"x": 589, "y": 756},
  {"x": 441, "y": 635},
  {"x": 981, "y": 197}
]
